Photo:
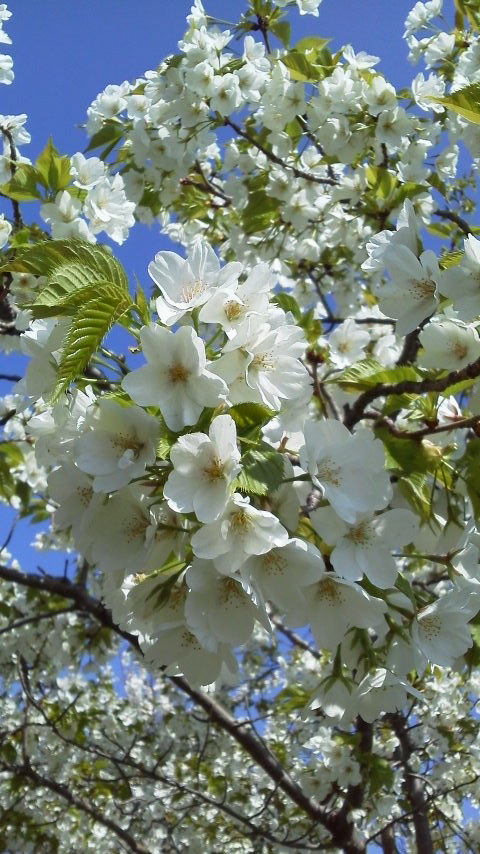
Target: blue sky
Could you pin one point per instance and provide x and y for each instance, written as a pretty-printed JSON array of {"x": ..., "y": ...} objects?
[{"x": 65, "y": 53}]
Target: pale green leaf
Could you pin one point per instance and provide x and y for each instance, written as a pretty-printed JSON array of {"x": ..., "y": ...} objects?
[
  {"x": 89, "y": 326},
  {"x": 262, "y": 472},
  {"x": 465, "y": 102},
  {"x": 369, "y": 373}
]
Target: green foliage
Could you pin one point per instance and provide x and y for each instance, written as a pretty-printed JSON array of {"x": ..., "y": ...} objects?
[
  {"x": 417, "y": 490},
  {"x": 84, "y": 282},
  {"x": 369, "y": 373},
  {"x": 260, "y": 213},
  {"x": 250, "y": 417},
  {"x": 469, "y": 10},
  {"x": 465, "y": 102},
  {"x": 10, "y": 456},
  {"x": 54, "y": 170},
  {"x": 263, "y": 470},
  {"x": 469, "y": 467},
  {"x": 381, "y": 181},
  {"x": 309, "y": 63},
  {"x": 50, "y": 174},
  {"x": 93, "y": 318},
  {"x": 106, "y": 138}
]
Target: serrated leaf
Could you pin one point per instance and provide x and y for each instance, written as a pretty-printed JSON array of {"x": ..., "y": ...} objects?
[
  {"x": 465, "y": 102},
  {"x": 74, "y": 273},
  {"x": 262, "y": 472},
  {"x": 250, "y": 416},
  {"x": 89, "y": 326},
  {"x": 369, "y": 373},
  {"x": 450, "y": 259},
  {"x": 45, "y": 258}
]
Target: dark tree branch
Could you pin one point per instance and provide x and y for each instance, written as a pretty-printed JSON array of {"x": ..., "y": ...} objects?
[
  {"x": 414, "y": 787},
  {"x": 17, "y": 216},
  {"x": 453, "y": 217},
  {"x": 354, "y": 413},
  {"x": 299, "y": 173}
]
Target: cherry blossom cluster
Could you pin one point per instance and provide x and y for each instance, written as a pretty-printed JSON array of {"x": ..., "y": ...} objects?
[{"x": 237, "y": 474}]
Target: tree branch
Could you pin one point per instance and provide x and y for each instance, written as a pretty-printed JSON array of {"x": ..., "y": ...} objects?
[
  {"x": 299, "y": 173},
  {"x": 354, "y": 413}
]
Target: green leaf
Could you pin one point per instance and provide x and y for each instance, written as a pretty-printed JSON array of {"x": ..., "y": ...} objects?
[
  {"x": 250, "y": 416},
  {"x": 72, "y": 269},
  {"x": 381, "y": 774},
  {"x": 417, "y": 490},
  {"x": 288, "y": 303},
  {"x": 142, "y": 305},
  {"x": 300, "y": 68},
  {"x": 282, "y": 30},
  {"x": 465, "y": 102},
  {"x": 260, "y": 212},
  {"x": 23, "y": 186},
  {"x": 47, "y": 256},
  {"x": 369, "y": 373},
  {"x": 470, "y": 467},
  {"x": 450, "y": 259},
  {"x": 263, "y": 471},
  {"x": 108, "y": 135},
  {"x": 89, "y": 326},
  {"x": 53, "y": 170},
  {"x": 310, "y": 43},
  {"x": 381, "y": 181},
  {"x": 405, "y": 455}
]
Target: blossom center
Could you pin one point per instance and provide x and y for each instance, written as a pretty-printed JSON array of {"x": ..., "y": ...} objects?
[
  {"x": 214, "y": 470},
  {"x": 329, "y": 473},
  {"x": 240, "y": 522},
  {"x": 85, "y": 494},
  {"x": 263, "y": 362},
  {"x": 423, "y": 289},
  {"x": 330, "y": 592},
  {"x": 178, "y": 373},
  {"x": 232, "y": 309},
  {"x": 136, "y": 528},
  {"x": 274, "y": 564},
  {"x": 361, "y": 535},
  {"x": 459, "y": 350},
  {"x": 124, "y": 442},
  {"x": 191, "y": 291},
  {"x": 431, "y": 626}
]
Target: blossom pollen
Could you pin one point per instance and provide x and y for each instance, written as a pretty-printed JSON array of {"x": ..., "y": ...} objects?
[
  {"x": 330, "y": 592},
  {"x": 431, "y": 626},
  {"x": 178, "y": 373},
  {"x": 190, "y": 292},
  {"x": 127, "y": 443},
  {"x": 215, "y": 470},
  {"x": 232, "y": 309},
  {"x": 274, "y": 564},
  {"x": 240, "y": 522},
  {"x": 423, "y": 289}
]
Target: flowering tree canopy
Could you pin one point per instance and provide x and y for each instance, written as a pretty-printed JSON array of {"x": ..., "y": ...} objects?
[{"x": 262, "y": 461}]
